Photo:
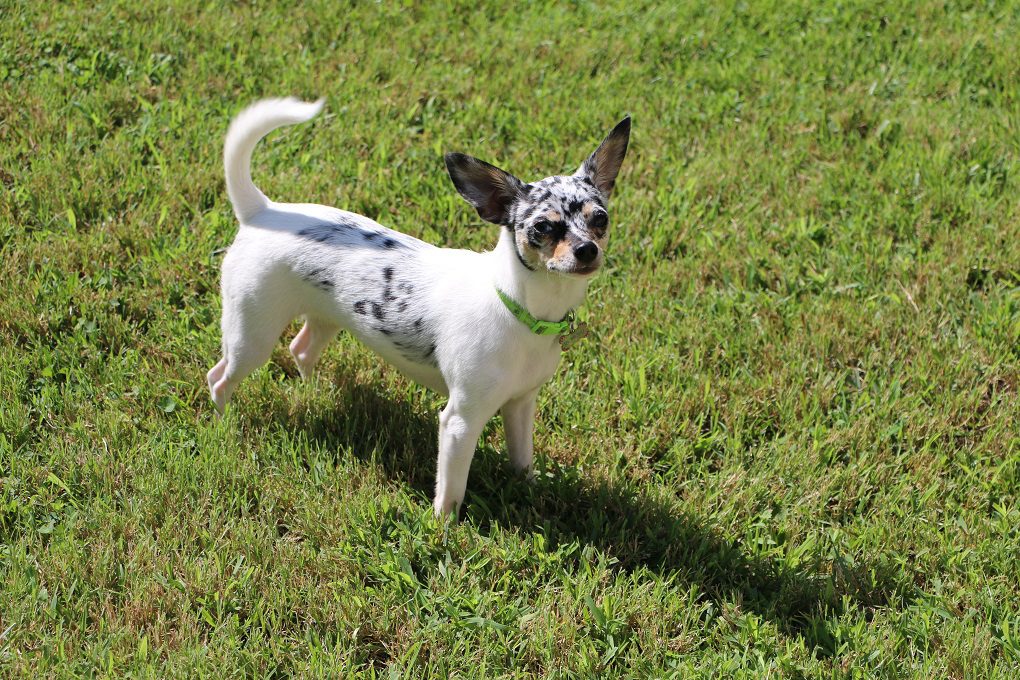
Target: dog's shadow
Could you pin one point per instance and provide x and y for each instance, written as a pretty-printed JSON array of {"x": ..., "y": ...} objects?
[{"x": 637, "y": 529}]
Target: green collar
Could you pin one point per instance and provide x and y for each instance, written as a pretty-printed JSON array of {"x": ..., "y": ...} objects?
[{"x": 537, "y": 326}]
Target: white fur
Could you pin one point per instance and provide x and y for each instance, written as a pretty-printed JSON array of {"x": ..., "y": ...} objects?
[{"x": 484, "y": 359}]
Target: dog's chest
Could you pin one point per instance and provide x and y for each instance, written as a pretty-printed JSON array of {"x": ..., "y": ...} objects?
[{"x": 533, "y": 363}]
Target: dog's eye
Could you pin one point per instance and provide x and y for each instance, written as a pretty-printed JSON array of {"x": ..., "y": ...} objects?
[
  {"x": 544, "y": 227},
  {"x": 599, "y": 220}
]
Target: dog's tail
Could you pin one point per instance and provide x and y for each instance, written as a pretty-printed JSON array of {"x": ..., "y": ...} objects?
[{"x": 251, "y": 125}]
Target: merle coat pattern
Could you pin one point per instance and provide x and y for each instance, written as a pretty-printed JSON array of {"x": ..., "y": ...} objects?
[{"x": 432, "y": 312}]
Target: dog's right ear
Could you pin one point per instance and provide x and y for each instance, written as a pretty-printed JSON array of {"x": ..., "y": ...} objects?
[{"x": 490, "y": 190}]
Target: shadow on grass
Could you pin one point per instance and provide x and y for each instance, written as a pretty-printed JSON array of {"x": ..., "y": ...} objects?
[{"x": 636, "y": 528}]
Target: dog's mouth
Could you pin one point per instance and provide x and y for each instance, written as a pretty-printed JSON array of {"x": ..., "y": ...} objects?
[
  {"x": 577, "y": 270},
  {"x": 586, "y": 270}
]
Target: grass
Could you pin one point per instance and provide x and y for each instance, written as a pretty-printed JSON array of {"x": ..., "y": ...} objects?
[{"x": 789, "y": 449}]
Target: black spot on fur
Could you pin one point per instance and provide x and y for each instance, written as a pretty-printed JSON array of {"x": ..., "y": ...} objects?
[
  {"x": 535, "y": 207},
  {"x": 574, "y": 207},
  {"x": 318, "y": 278},
  {"x": 416, "y": 340},
  {"x": 389, "y": 244},
  {"x": 401, "y": 319},
  {"x": 324, "y": 232}
]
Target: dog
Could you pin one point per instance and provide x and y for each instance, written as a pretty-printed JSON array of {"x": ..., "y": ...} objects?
[{"x": 482, "y": 329}]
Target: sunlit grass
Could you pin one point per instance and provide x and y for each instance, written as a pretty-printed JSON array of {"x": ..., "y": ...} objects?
[{"x": 788, "y": 449}]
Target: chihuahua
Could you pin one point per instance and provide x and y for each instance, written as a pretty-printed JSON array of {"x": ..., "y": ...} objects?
[{"x": 483, "y": 329}]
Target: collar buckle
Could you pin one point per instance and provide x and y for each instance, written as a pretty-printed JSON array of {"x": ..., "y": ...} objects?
[{"x": 576, "y": 333}]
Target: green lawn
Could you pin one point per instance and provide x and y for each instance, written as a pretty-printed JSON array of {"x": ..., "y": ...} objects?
[{"x": 790, "y": 447}]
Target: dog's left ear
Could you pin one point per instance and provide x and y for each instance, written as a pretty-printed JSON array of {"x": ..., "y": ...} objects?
[
  {"x": 603, "y": 165},
  {"x": 490, "y": 190}
]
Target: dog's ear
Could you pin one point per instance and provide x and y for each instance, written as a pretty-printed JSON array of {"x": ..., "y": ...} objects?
[
  {"x": 490, "y": 190},
  {"x": 602, "y": 166}
]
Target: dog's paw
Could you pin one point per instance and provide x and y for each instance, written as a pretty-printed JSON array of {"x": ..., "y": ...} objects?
[{"x": 445, "y": 508}]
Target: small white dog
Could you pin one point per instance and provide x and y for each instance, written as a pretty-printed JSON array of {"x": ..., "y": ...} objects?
[{"x": 483, "y": 329}]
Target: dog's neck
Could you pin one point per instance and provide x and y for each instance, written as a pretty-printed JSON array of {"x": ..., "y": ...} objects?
[{"x": 548, "y": 296}]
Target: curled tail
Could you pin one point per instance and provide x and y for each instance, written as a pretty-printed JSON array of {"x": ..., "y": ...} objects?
[{"x": 251, "y": 125}]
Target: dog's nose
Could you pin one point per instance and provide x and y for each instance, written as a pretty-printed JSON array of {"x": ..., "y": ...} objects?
[{"x": 586, "y": 252}]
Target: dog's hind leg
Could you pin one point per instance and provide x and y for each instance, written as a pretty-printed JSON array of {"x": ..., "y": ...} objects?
[
  {"x": 307, "y": 346},
  {"x": 249, "y": 333},
  {"x": 214, "y": 375}
]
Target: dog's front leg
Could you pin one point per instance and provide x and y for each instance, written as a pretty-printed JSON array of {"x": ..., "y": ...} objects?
[
  {"x": 459, "y": 429},
  {"x": 519, "y": 425}
]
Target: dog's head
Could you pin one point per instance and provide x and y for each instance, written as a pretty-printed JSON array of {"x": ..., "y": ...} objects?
[{"x": 560, "y": 224}]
